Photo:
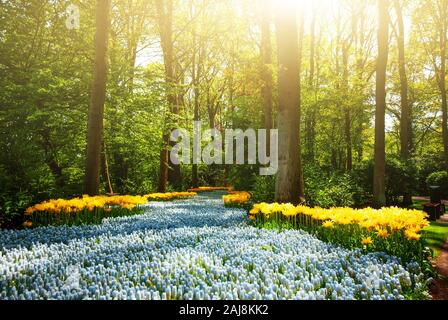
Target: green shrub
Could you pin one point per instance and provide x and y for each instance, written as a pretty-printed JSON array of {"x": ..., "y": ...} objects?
[
  {"x": 332, "y": 188},
  {"x": 12, "y": 208},
  {"x": 337, "y": 195},
  {"x": 427, "y": 164},
  {"x": 243, "y": 177},
  {"x": 439, "y": 178},
  {"x": 323, "y": 188},
  {"x": 401, "y": 178},
  {"x": 263, "y": 189},
  {"x": 340, "y": 191}
]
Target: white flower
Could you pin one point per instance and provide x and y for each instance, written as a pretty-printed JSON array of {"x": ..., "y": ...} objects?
[{"x": 189, "y": 250}]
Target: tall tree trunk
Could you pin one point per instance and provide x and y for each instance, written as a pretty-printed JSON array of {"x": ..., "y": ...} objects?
[
  {"x": 348, "y": 140},
  {"x": 168, "y": 169},
  {"x": 379, "y": 174},
  {"x": 405, "y": 119},
  {"x": 341, "y": 165},
  {"x": 194, "y": 169},
  {"x": 132, "y": 61},
  {"x": 163, "y": 167},
  {"x": 312, "y": 49},
  {"x": 300, "y": 161},
  {"x": 360, "y": 87},
  {"x": 347, "y": 126},
  {"x": 267, "y": 81},
  {"x": 310, "y": 118},
  {"x": 442, "y": 76},
  {"x": 334, "y": 158},
  {"x": 211, "y": 110},
  {"x": 96, "y": 110},
  {"x": 133, "y": 26},
  {"x": 232, "y": 115},
  {"x": 174, "y": 172},
  {"x": 196, "y": 75},
  {"x": 132, "y": 44},
  {"x": 105, "y": 169},
  {"x": 289, "y": 187}
]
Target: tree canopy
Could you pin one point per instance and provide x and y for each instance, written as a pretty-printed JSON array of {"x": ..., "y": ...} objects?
[{"x": 349, "y": 65}]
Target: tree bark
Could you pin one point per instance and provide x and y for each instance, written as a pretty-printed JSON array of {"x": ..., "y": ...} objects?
[
  {"x": 347, "y": 117},
  {"x": 227, "y": 167},
  {"x": 194, "y": 170},
  {"x": 300, "y": 160},
  {"x": 105, "y": 169},
  {"x": 196, "y": 74},
  {"x": 379, "y": 175},
  {"x": 267, "y": 81},
  {"x": 334, "y": 158},
  {"x": 289, "y": 187},
  {"x": 168, "y": 170},
  {"x": 135, "y": 27},
  {"x": 360, "y": 71},
  {"x": 405, "y": 120},
  {"x": 442, "y": 76},
  {"x": 348, "y": 140},
  {"x": 96, "y": 110},
  {"x": 310, "y": 118}
]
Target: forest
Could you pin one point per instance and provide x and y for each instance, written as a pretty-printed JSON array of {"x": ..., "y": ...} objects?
[
  {"x": 317, "y": 170},
  {"x": 367, "y": 93}
]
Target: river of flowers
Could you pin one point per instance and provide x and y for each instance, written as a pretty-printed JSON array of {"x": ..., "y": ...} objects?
[{"x": 191, "y": 249}]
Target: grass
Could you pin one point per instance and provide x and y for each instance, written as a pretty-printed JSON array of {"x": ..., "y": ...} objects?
[
  {"x": 436, "y": 234},
  {"x": 417, "y": 204}
]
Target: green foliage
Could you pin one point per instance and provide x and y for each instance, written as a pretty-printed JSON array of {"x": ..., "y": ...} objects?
[
  {"x": 45, "y": 81},
  {"x": 243, "y": 177},
  {"x": 322, "y": 188},
  {"x": 325, "y": 188},
  {"x": 263, "y": 189},
  {"x": 436, "y": 235},
  {"x": 439, "y": 178},
  {"x": 335, "y": 195},
  {"x": 401, "y": 178},
  {"x": 12, "y": 207},
  {"x": 427, "y": 164}
]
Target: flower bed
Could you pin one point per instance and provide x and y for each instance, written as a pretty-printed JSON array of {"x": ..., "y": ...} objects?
[
  {"x": 237, "y": 199},
  {"x": 91, "y": 210},
  {"x": 168, "y": 196},
  {"x": 392, "y": 230},
  {"x": 209, "y": 189},
  {"x": 192, "y": 249}
]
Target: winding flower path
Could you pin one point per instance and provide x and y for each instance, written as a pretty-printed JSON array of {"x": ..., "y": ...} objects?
[{"x": 191, "y": 249}]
